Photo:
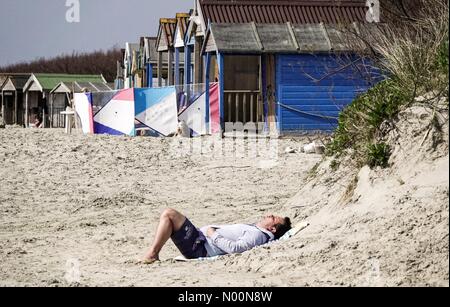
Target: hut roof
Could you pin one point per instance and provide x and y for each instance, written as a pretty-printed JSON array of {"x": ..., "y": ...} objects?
[
  {"x": 284, "y": 38},
  {"x": 150, "y": 52},
  {"x": 130, "y": 47},
  {"x": 180, "y": 29},
  {"x": 166, "y": 33},
  {"x": 14, "y": 82},
  {"x": 282, "y": 11}
]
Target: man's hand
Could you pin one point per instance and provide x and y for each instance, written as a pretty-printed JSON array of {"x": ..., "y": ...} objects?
[{"x": 210, "y": 232}]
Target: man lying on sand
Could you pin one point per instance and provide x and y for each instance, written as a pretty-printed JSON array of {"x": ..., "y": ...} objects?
[{"x": 211, "y": 240}]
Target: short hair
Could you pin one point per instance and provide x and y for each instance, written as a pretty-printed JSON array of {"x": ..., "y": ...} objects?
[{"x": 281, "y": 229}]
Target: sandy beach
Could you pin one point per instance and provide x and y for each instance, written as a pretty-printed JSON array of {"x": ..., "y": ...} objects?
[{"x": 79, "y": 210}]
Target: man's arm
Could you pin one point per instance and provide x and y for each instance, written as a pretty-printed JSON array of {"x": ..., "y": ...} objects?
[{"x": 244, "y": 243}]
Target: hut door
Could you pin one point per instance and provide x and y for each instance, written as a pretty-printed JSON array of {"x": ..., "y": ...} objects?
[
  {"x": 9, "y": 108},
  {"x": 242, "y": 93}
]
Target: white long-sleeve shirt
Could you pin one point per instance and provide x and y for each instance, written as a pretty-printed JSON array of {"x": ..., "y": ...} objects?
[{"x": 233, "y": 239}]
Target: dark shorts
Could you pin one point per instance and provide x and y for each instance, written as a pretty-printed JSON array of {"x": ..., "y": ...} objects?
[{"x": 190, "y": 241}]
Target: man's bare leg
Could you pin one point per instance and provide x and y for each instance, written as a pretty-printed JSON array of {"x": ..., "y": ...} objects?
[{"x": 170, "y": 222}]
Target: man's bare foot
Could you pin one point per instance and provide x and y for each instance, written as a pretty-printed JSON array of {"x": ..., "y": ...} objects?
[
  {"x": 150, "y": 258},
  {"x": 148, "y": 261}
]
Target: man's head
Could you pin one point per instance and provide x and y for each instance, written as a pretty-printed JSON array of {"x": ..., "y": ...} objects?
[{"x": 276, "y": 225}]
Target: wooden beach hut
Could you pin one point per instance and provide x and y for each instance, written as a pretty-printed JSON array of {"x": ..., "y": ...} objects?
[
  {"x": 289, "y": 77},
  {"x": 119, "y": 82},
  {"x": 178, "y": 43},
  {"x": 193, "y": 41},
  {"x": 12, "y": 98},
  {"x": 164, "y": 45},
  {"x": 131, "y": 53},
  {"x": 149, "y": 56},
  {"x": 280, "y": 63},
  {"x": 148, "y": 53}
]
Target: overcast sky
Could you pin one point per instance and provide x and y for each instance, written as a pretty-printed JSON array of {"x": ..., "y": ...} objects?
[{"x": 38, "y": 28}]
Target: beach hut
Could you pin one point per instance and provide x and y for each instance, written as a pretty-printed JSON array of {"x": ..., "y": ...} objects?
[
  {"x": 130, "y": 65},
  {"x": 37, "y": 93},
  {"x": 289, "y": 77},
  {"x": 148, "y": 53},
  {"x": 62, "y": 94},
  {"x": 178, "y": 43},
  {"x": 12, "y": 98},
  {"x": 164, "y": 45},
  {"x": 149, "y": 56},
  {"x": 193, "y": 41},
  {"x": 137, "y": 68},
  {"x": 119, "y": 82},
  {"x": 281, "y": 63}
]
